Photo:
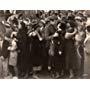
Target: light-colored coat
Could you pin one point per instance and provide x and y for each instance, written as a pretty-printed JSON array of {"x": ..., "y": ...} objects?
[
  {"x": 87, "y": 55},
  {"x": 13, "y": 54}
]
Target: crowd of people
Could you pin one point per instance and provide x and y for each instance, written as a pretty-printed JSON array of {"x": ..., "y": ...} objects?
[{"x": 51, "y": 42}]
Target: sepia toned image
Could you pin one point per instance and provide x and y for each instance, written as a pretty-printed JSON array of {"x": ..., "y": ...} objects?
[{"x": 44, "y": 44}]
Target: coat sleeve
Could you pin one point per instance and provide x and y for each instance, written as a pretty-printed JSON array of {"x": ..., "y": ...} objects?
[
  {"x": 87, "y": 46},
  {"x": 5, "y": 52},
  {"x": 68, "y": 35},
  {"x": 47, "y": 34}
]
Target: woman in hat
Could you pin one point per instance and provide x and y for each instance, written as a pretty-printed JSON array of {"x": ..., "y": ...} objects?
[
  {"x": 71, "y": 58},
  {"x": 80, "y": 37},
  {"x": 36, "y": 47},
  {"x": 41, "y": 31},
  {"x": 87, "y": 52},
  {"x": 23, "y": 48}
]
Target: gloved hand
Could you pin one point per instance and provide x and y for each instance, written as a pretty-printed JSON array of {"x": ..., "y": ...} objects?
[{"x": 55, "y": 35}]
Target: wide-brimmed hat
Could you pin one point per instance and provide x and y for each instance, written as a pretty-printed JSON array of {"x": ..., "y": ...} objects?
[
  {"x": 71, "y": 17},
  {"x": 52, "y": 18},
  {"x": 47, "y": 20},
  {"x": 78, "y": 18},
  {"x": 34, "y": 21},
  {"x": 42, "y": 22}
]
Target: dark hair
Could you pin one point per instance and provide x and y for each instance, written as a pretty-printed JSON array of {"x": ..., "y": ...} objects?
[
  {"x": 88, "y": 28},
  {"x": 71, "y": 17},
  {"x": 20, "y": 15},
  {"x": 72, "y": 24},
  {"x": 15, "y": 21},
  {"x": 14, "y": 36},
  {"x": 70, "y": 30},
  {"x": 47, "y": 22},
  {"x": 63, "y": 25},
  {"x": 23, "y": 24},
  {"x": 35, "y": 26}
]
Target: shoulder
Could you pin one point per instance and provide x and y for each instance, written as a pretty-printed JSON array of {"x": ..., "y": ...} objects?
[{"x": 87, "y": 41}]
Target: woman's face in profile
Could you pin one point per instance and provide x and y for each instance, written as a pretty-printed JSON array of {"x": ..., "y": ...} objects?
[
  {"x": 79, "y": 22},
  {"x": 19, "y": 25},
  {"x": 68, "y": 25},
  {"x": 1, "y": 37}
]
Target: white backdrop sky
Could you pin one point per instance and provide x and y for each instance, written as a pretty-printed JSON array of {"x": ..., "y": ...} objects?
[{"x": 45, "y": 4}]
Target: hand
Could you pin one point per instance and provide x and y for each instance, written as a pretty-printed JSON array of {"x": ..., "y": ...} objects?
[
  {"x": 55, "y": 35},
  {"x": 9, "y": 48},
  {"x": 34, "y": 33},
  {"x": 30, "y": 34},
  {"x": 2, "y": 58},
  {"x": 51, "y": 53},
  {"x": 75, "y": 31},
  {"x": 40, "y": 39},
  {"x": 60, "y": 52}
]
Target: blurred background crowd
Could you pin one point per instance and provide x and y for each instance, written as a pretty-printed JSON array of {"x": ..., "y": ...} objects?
[{"x": 52, "y": 42}]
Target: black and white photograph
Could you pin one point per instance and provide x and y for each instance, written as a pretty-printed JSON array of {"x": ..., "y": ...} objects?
[{"x": 44, "y": 44}]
